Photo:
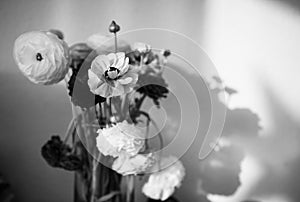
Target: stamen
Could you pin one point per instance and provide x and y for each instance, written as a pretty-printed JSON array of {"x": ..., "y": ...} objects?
[{"x": 39, "y": 57}]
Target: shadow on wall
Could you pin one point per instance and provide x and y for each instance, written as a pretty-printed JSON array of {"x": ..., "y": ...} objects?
[
  {"x": 277, "y": 156},
  {"x": 219, "y": 172}
]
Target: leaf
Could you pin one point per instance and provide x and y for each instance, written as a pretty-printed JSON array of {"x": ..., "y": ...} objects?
[{"x": 108, "y": 196}]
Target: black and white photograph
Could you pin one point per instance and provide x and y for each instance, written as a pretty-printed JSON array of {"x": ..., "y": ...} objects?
[{"x": 149, "y": 101}]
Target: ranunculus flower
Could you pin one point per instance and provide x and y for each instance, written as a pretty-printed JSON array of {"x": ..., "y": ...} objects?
[
  {"x": 120, "y": 139},
  {"x": 161, "y": 185},
  {"x": 111, "y": 75},
  {"x": 126, "y": 165},
  {"x": 42, "y": 57}
]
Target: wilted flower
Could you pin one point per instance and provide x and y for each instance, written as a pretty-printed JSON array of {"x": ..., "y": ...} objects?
[
  {"x": 111, "y": 75},
  {"x": 140, "y": 163},
  {"x": 58, "y": 154},
  {"x": 42, "y": 57},
  {"x": 120, "y": 139},
  {"x": 161, "y": 185}
]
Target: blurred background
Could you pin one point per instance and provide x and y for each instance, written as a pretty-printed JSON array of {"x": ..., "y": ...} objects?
[{"x": 255, "y": 47}]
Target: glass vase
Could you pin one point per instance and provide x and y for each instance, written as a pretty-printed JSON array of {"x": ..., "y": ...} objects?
[{"x": 95, "y": 181}]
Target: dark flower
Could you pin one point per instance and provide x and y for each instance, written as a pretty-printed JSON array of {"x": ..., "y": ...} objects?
[
  {"x": 58, "y": 154},
  {"x": 134, "y": 57},
  {"x": 166, "y": 53},
  {"x": 152, "y": 85}
]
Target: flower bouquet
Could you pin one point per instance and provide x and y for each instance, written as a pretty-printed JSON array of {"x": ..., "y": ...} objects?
[{"x": 107, "y": 141}]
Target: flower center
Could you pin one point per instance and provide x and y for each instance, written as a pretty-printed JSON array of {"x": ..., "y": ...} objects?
[
  {"x": 39, "y": 57},
  {"x": 112, "y": 73}
]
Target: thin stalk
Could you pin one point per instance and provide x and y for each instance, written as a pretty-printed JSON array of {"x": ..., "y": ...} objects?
[
  {"x": 70, "y": 129},
  {"x": 116, "y": 43},
  {"x": 94, "y": 178}
]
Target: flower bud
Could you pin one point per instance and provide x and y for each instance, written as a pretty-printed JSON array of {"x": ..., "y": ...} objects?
[
  {"x": 166, "y": 53},
  {"x": 114, "y": 27}
]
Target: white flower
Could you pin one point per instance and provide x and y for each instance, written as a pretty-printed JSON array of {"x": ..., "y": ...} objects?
[
  {"x": 111, "y": 75},
  {"x": 120, "y": 139},
  {"x": 42, "y": 57},
  {"x": 141, "y": 47},
  {"x": 161, "y": 185},
  {"x": 105, "y": 44},
  {"x": 126, "y": 165}
]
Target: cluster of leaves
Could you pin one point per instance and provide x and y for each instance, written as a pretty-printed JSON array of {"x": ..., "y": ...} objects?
[
  {"x": 81, "y": 58},
  {"x": 58, "y": 154}
]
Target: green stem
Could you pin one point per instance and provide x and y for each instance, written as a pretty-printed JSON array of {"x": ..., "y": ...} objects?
[
  {"x": 130, "y": 189},
  {"x": 116, "y": 43},
  {"x": 70, "y": 129},
  {"x": 94, "y": 182}
]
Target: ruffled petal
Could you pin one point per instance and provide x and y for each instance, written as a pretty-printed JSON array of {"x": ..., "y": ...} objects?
[
  {"x": 124, "y": 67},
  {"x": 112, "y": 57},
  {"x": 100, "y": 64}
]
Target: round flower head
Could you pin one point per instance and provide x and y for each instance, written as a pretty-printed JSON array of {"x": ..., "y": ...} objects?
[
  {"x": 42, "y": 57},
  {"x": 140, "y": 163},
  {"x": 120, "y": 139},
  {"x": 161, "y": 185},
  {"x": 110, "y": 75}
]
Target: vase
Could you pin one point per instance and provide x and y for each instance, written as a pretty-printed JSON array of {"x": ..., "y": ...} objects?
[{"x": 95, "y": 181}]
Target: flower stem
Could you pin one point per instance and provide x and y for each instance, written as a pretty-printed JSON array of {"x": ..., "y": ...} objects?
[
  {"x": 70, "y": 129},
  {"x": 94, "y": 178},
  {"x": 110, "y": 107},
  {"x": 116, "y": 43},
  {"x": 130, "y": 189}
]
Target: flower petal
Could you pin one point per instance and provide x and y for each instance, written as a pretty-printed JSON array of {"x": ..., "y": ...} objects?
[
  {"x": 126, "y": 80},
  {"x": 100, "y": 64},
  {"x": 104, "y": 90},
  {"x": 124, "y": 67},
  {"x": 94, "y": 81},
  {"x": 112, "y": 57}
]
